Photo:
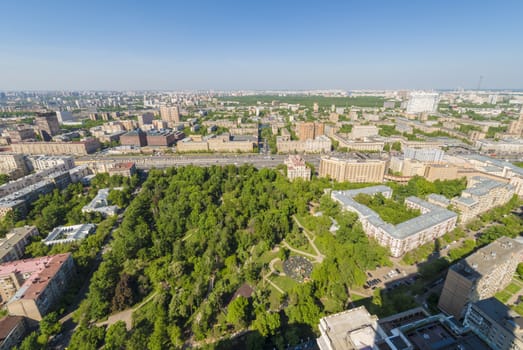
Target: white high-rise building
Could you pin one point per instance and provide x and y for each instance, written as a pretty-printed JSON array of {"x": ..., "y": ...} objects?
[{"x": 421, "y": 102}]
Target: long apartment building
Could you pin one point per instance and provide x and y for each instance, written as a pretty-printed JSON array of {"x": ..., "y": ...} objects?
[
  {"x": 12, "y": 246},
  {"x": 496, "y": 324},
  {"x": 33, "y": 287},
  {"x": 482, "y": 194},
  {"x": 480, "y": 276},
  {"x": 433, "y": 222},
  {"x": 352, "y": 170},
  {"x": 320, "y": 144},
  {"x": 79, "y": 148}
]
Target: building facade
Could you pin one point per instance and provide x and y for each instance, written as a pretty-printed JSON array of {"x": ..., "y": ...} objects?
[
  {"x": 352, "y": 170},
  {"x": 79, "y": 148},
  {"x": 422, "y": 102},
  {"x": 480, "y": 276},
  {"x": 296, "y": 168},
  {"x": 12, "y": 246},
  {"x": 321, "y": 144},
  {"x": 309, "y": 130}
]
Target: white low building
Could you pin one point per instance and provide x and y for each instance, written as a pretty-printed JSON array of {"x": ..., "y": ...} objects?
[
  {"x": 68, "y": 234},
  {"x": 433, "y": 222},
  {"x": 100, "y": 204}
]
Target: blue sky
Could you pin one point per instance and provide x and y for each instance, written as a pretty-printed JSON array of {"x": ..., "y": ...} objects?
[{"x": 233, "y": 44}]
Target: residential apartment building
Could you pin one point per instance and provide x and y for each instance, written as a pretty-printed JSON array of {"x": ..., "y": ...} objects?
[
  {"x": 366, "y": 145},
  {"x": 359, "y": 132},
  {"x": 321, "y": 144},
  {"x": 13, "y": 165},
  {"x": 480, "y": 276},
  {"x": 47, "y": 124},
  {"x": 165, "y": 138},
  {"x": 60, "y": 163},
  {"x": 126, "y": 169},
  {"x": 496, "y": 324},
  {"x": 296, "y": 168},
  {"x": 12, "y": 246},
  {"x": 424, "y": 154},
  {"x": 134, "y": 138},
  {"x": 20, "y": 133},
  {"x": 481, "y": 195},
  {"x": 13, "y": 329},
  {"x": 433, "y": 222},
  {"x": 507, "y": 146},
  {"x": 33, "y": 287},
  {"x": 79, "y": 148},
  {"x": 145, "y": 119},
  {"x": 352, "y": 170},
  {"x": 170, "y": 114},
  {"x": 309, "y": 130},
  {"x": 422, "y": 102}
]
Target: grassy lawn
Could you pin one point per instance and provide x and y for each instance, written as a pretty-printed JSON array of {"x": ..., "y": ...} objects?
[
  {"x": 278, "y": 266},
  {"x": 329, "y": 305},
  {"x": 355, "y": 297},
  {"x": 503, "y": 296},
  {"x": 274, "y": 298},
  {"x": 266, "y": 257},
  {"x": 284, "y": 282},
  {"x": 512, "y": 288}
]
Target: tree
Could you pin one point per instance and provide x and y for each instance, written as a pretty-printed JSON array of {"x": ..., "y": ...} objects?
[
  {"x": 237, "y": 311},
  {"x": 87, "y": 338},
  {"x": 267, "y": 323},
  {"x": 116, "y": 336},
  {"x": 520, "y": 270},
  {"x": 4, "y": 178}
]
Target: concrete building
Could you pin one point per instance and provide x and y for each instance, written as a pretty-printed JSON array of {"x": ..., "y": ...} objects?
[
  {"x": 68, "y": 234},
  {"x": 165, "y": 138},
  {"x": 309, "y": 130},
  {"x": 13, "y": 165},
  {"x": 424, "y": 154},
  {"x": 100, "y": 204},
  {"x": 145, "y": 119},
  {"x": 516, "y": 127},
  {"x": 47, "y": 124},
  {"x": 496, "y": 324},
  {"x": 59, "y": 163},
  {"x": 170, "y": 114},
  {"x": 507, "y": 146},
  {"x": 359, "y": 132},
  {"x": 352, "y": 170},
  {"x": 296, "y": 168},
  {"x": 79, "y": 148},
  {"x": 481, "y": 195},
  {"x": 422, "y": 102},
  {"x": 13, "y": 329},
  {"x": 20, "y": 133},
  {"x": 445, "y": 171},
  {"x": 12, "y": 246},
  {"x": 433, "y": 222},
  {"x": 33, "y": 287},
  {"x": 64, "y": 116},
  {"x": 352, "y": 329},
  {"x": 126, "y": 169},
  {"x": 480, "y": 275},
  {"x": 321, "y": 144},
  {"x": 365, "y": 145},
  {"x": 135, "y": 138}
]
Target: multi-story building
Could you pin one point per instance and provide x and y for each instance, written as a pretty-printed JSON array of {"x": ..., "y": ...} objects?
[
  {"x": 422, "y": 102},
  {"x": 433, "y": 222},
  {"x": 481, "y": 195},
  {"x": 20, "y": 133},
  {"x": 170, "y": 114},
  {"x": 145, "y": 119},
  {"x": 321, "y": 144},
  {"x": 228, "y": 143},
  {"x": 480, "y": 275},
  {"x": 134, "y": 138},
  {"x": 13, "y": 329},
  {"x": 13, "y": 165},
  {"x": 309, "y": 130},
  {"x": 80, "y": 148},
  {"x": 68, "y": 234},
  {"x": 127, "y": 169},
  {"x": 516, "y": 127},
  {"x": 359, "y": 132},
  {"x": 164, "y": 138},
  {"x": 366, "y": 145},
  {"x": 64, "y": 116},
  {"x": 60, "y": 163},
  {"x": 47, "y": 124},
  {"x": 33, "y": 287},
  {"x": 12, "y": 246},
  {"x": 352, "y": 170},
  {"x": 496, "y": 324},
  {"x": 424, "y": 154},
  {"x": 100, "y": 204},
  {"x": 511, "y": 146},
  {"x": 296, "y": 168}
]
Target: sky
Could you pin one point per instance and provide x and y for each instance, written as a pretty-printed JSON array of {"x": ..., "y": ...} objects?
[{"x": 270, "y": 44}]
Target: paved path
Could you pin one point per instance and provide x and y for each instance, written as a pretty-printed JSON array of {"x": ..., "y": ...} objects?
[
  {"x": 310, "y": 237},
  {"x": 316, "y": 258},
  {"x": 125, "y": 315},
  {"x": 271, "y": 271}
]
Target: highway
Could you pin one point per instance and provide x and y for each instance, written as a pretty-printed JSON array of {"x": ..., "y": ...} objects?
[{"x": 146, "y": 162}]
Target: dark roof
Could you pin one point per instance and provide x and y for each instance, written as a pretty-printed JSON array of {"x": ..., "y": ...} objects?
[
  {"x": 7, "y": 324},
  {"x": 245, "y": 291}
]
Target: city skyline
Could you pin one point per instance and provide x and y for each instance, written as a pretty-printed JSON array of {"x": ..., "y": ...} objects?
[{"x": 234, "y": 45}]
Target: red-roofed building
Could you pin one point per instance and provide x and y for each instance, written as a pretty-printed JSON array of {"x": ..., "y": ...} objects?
[
  {"x": 125, "y": 169},
  {"x": 32, "y": 287}
]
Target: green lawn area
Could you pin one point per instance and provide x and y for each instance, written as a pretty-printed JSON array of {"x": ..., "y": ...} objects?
[
  {"x": 389, "y": 210},
  {"x": 503, "y": 296},
  {"x": 284, "y": 282},
  {"x": 355, "y": 297},
  {"x": 278, "y": 266},
  {"x": 274, "y": 298},
  {"x": 266, "y": 257},
  {"x": 512, "y": 288}
]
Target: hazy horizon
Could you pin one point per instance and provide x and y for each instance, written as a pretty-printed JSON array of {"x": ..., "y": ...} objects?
[{"x": 238, "y": 45}]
